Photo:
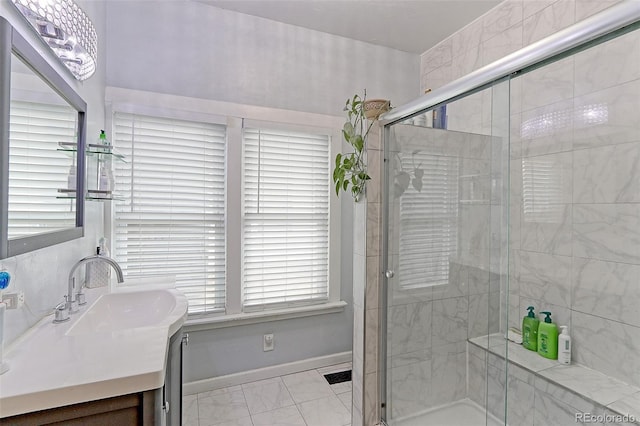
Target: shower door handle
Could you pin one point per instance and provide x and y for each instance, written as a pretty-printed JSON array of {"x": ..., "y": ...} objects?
[{"x": 389, "y": 273}]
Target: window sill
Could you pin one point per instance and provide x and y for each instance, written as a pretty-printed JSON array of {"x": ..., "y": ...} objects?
[{"x": 223, "y": 321}]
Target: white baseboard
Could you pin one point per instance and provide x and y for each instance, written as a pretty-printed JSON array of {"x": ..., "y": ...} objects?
[{"x": 213, "y": 383}]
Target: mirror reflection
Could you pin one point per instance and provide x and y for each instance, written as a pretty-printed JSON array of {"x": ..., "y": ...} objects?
[{"x": 42, "y": 156}]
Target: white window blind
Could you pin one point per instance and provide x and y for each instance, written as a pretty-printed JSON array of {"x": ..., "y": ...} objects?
[
  {"x": 428, "y": 222},
  {"x": 286, "y": 218},
  {"x": 172, "y": 219},
  {"x": 37, "y": 169}
]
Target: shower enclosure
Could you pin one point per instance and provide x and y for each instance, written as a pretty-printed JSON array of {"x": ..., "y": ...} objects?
[{"x": 517, "y": 186}]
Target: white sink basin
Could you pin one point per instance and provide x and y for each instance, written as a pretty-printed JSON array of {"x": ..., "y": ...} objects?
[{"x": 132, "y": 309}]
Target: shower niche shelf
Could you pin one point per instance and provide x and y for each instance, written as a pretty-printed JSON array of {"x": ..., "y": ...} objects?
[{"x": 594, "y": 387}]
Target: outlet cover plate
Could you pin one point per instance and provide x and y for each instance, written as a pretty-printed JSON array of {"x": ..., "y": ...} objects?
[{"x": 267, "y": 342}]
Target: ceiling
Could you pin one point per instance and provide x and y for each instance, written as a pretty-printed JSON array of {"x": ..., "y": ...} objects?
[{"x": 409, "y": 25}]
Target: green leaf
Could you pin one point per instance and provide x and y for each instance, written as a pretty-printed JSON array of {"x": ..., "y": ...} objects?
[
  {"x": 358, "y": 143},
  {"x": 350, "y": 168},
  {"x": 348, "y": 129}
]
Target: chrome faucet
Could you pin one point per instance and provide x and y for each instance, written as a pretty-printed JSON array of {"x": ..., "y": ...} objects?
[{"x": 70, "y": 305}]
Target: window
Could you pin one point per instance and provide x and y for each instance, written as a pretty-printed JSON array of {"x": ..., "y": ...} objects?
[
  {"x": 172, "y": 219},
  {"x": 239, "y": 213},
  {"x": 37, "y": 169},
  {"x": 428, "y": 222},
  {"x": 286, "y": 218}
]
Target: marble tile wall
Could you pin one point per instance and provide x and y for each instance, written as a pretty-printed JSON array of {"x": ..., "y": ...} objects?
[
  {"x": 367, "y": 229},
  {"x": 575, "y": 166},
  {"x": 578, "y": 249},
  {"x": 359, "y": 285},
  {"x": 428, "y": 325},
  {"x": 545, "y": 393},
  {"x": 508, "y": 27}
]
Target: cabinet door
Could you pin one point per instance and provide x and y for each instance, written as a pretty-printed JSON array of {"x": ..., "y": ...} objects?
[{"x": 173, "y": 381}]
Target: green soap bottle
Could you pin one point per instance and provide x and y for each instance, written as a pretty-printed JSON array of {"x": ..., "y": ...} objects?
[
  {"x": 548, "y": 338},
  {"x": 530, "y": 330},
  {"x": 102, "y": 140}
]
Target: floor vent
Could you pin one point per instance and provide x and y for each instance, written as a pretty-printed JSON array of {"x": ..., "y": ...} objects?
[{"x": 339, "y": 377}]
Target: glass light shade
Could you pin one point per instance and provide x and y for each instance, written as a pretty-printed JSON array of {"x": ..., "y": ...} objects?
[{"x": 67, "y": 30}]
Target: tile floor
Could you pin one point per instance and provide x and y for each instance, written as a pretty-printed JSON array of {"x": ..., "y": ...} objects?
[{"x": 300, "y": 399}]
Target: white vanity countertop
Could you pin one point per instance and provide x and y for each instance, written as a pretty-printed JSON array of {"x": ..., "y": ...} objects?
[{"x": 49, "y": 368}]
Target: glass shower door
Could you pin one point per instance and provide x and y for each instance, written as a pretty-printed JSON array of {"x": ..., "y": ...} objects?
[{"x": 446, "y": 262}]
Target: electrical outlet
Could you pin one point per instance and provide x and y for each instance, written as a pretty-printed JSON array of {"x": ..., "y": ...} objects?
[
  {"x": 13, "y": 300},
  {"x": 267, "y": 342}
]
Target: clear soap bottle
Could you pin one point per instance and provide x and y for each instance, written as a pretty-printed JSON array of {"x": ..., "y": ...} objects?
[{"x": 71, "y": 178}]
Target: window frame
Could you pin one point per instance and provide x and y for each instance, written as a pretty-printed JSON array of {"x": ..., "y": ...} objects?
[
  {"x": 235, "y": 116},
  {"x": 130, "y": 213},
  {"x": 277, "y": 127}
]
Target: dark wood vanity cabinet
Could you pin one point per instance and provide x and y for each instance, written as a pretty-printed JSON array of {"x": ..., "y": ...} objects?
[{"x": 134, "y": 409}]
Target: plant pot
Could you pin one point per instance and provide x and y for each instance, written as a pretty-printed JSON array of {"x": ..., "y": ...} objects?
[{"x": 374, "y": 107}]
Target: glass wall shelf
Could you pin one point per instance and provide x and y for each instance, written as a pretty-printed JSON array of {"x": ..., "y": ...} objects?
[
  {"x": 97, "y": 195},
  {"x": 93, "y": 150},
  {"x": 102, "y": 154},
  {"x": 66, "y": 193}
]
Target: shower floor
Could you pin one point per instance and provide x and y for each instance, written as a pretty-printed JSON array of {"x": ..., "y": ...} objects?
[{"x": 460, "y": 413}]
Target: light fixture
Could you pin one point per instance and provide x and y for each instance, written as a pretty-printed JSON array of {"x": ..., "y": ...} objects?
[{"x": 67, "y": 30}]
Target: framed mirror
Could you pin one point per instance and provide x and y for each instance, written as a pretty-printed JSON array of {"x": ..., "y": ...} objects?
[{"x": 42, "y": 145}]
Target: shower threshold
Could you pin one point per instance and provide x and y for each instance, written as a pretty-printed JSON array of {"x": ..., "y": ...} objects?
[{"x": 460, "y": 413}]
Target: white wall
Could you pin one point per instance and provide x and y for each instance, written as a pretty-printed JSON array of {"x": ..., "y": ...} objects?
[
  {"x": 43, "y": 274},
  {"x": 192, "y": 49}
]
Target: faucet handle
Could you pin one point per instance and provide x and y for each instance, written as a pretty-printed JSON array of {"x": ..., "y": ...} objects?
[
  {"x": 61, "y": 312},
  {"x": 62, "y": 305}
]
